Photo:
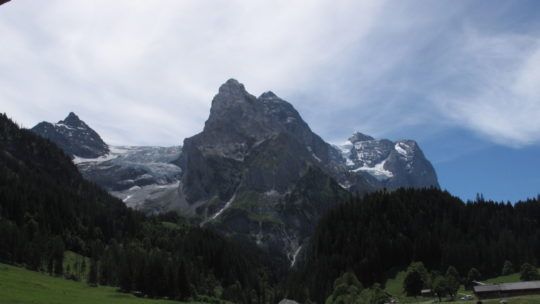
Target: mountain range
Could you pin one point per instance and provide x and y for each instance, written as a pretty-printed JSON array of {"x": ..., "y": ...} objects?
[{"x": 256, "y": 170}]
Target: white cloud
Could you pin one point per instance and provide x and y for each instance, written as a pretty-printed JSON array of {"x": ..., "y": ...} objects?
[
  {"x": 158, "y": 63},
  {"x": 501, "y": 96},
  {"x": 144, "y": 72}
]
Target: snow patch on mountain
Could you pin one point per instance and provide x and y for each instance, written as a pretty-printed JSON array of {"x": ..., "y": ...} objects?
[
  {"x": 400, "y": 149},
  {"x": 79, "y": 160},
  {"x": 391, "y": 164},
  {"x": 378, "y": 171}
]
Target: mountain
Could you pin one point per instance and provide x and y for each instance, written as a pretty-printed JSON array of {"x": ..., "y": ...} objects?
[
  {"x": 389, "y": 164},
  {"x": 74, "y": 136},
  {"x": 142, "y": 177},
  {"x": 258, "y": 170}
]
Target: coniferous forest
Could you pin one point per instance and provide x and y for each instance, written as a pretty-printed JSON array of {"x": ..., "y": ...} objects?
[
  {"x": 384, "y": 231},
  {"x": 47, "y": 208}
]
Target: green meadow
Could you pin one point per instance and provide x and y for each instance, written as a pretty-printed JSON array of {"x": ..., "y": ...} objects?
[{"x": 18, "y": 285}]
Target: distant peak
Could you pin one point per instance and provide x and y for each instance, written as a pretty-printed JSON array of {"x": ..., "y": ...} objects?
[
  {"x": 357, "y": 137},
  {"x": 232, "y": 81},
  {"x": 71, "y": 119},
  {"x": 268, "y": 95},
  {"x": 72, "y": 115},
  {"x": 231, "y": 86}
]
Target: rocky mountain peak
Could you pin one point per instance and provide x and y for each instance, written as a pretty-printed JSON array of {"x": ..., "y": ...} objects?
[
  {"x": 71, "y": 119},
  {"x": 74, "y": 136},
  {"x": 232, "y": 87},
  {"x": 358, "y": 137},
  {"x": 268, "y": 95},
  {"x": 391, "y": 164},
  {"x": 232, "y": 104}
]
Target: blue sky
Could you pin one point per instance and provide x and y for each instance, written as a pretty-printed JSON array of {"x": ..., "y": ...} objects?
[{"x": 460, "y": 77}]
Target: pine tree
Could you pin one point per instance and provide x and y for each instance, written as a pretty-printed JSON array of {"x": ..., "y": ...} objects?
[
  {"x": 508, "y": 268},
  {"x": 93, "y": 273},
  {"x": 412, "y": 285},
  {"x": 440, "y": 286},
  {"x": 184, "y": 286},
  {"x": 472, "y": 275},
  {"x": 528, "y": 272}
]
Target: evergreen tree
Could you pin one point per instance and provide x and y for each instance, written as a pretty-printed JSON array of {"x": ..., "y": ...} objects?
[
  {"x": 440, "y": 286},
  {"x": 378, "y": 295},
  {"x": 452, "y": 281},
  {"x": 347, "y": 290},
  {"x": 412, "y": 285},
  {"x": 184, "y": 286},
  {"x": 58, "y": 256},
  {"x": 472, "y": 275},
  {"x": 93, "y": 273},
  {"x": 508, "y": 268},
  {"x": 528, "y": 272}
]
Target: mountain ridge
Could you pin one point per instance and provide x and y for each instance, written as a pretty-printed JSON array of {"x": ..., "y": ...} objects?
[{"x": 257, "y": 170}]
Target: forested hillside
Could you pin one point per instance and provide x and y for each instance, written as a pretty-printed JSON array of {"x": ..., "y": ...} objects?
[
  {"x": 385, "y": 231},
  {"x": 46, "y": 207}
]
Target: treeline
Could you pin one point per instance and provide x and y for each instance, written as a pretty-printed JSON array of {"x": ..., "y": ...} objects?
[
  {"x": 46, "y": 207},
  {"x": 384, "y": 231},
  {"x": 183, "y": 263}
]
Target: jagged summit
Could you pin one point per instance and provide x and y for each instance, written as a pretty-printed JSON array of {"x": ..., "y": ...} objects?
[
  {"x": 390, "y": 164},
  {"x": 232, "y": 87},
  {"x": 268, "y": 95},
  {"x": 74, "y": 136},
  {"x": 357, "y": 136},
  {"x": 72, "y": 118}
]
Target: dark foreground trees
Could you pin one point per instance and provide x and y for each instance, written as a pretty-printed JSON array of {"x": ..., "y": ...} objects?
[
  {"x": 46, "y": 207},
  {"x": 383, "y": 231}
]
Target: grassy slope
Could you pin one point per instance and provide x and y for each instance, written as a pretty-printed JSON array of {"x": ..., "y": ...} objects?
[
  {"x": 505, "y": 279},
  {"x": 18, "y": 285}
]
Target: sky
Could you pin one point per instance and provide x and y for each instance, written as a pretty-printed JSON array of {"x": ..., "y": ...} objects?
[{"x": 460, "y": 77}]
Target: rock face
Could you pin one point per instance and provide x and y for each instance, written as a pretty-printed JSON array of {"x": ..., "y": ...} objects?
[
  {"x": 257, "y": 169},
  {"x": 73, "y": 136},
  {"x": 389, "y": 164}
]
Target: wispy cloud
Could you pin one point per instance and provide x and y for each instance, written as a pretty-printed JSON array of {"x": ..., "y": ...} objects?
[
  {"x": 111, "y": 61},
  {"x": 144, "y": 72},
  {"x": 499, "y": 92}
]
